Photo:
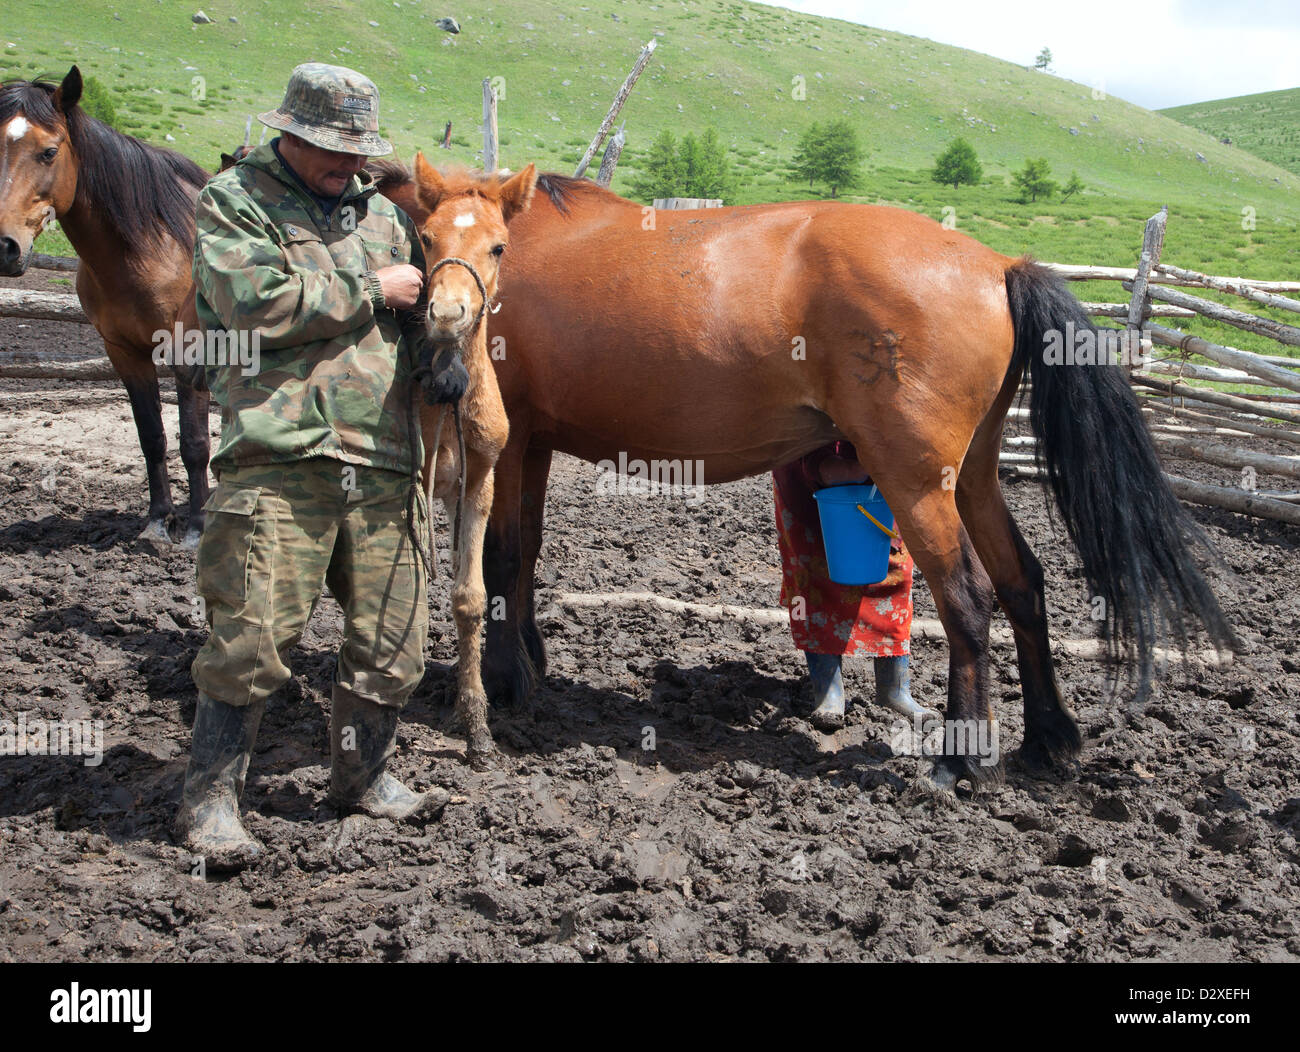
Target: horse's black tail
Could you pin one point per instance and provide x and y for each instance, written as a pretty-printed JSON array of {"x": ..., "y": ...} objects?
[{"x": 1135, "y": 539}]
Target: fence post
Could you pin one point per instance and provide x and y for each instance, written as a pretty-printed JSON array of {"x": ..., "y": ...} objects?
[
  {"x": 1153, "y": 242},
  {"x": 489, "y": 127}
]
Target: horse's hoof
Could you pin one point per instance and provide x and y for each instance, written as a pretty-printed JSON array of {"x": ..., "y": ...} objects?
[
  {"x": 938, "y": 787},
  {"x": 156, "y": 533},
  {"x": 191, "y": 539}
]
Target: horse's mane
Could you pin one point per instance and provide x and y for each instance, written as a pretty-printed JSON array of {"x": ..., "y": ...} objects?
[
  {"x": 140, "y": 189},
  {"x": 561, "y": 190}
]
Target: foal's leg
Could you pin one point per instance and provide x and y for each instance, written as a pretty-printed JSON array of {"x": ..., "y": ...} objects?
[
  {"x": 537, "y": 470},
  {"x": 468, "y": 603},
  {"x": 140, "y": 378},
  {"x": 1051, "y": 734},
  {"x": 509, "y": 670},
  {"x": 195, "y": 450}
]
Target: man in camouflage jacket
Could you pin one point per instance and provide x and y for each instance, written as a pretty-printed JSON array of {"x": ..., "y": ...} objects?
[{"x": 300, "y": 257}]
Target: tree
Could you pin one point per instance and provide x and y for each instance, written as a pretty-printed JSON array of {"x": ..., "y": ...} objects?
[
  {"x": 692, "y": 168},
  {"x": 714, "y": 178},
  {"x": 841, "y": 157},
  {"x": 957, "y": 164},
  {"x": 97, "y": 101},
  {"x": 662, "y": 175},
  {"x": 804, "y": 164},
  {"x": 830, "y": 154},
  {"x": 1044, "y": 59},
  {"x": 1074, "y": 186},
  {"x": 1034, "y": 179}
]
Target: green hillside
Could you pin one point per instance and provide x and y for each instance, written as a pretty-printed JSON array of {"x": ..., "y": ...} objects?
[
  {"x": 1267, "y": 125},
  {"x": 727, "y": 63}
]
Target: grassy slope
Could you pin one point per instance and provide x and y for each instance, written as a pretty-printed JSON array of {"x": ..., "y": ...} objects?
[
  {"x": 1268, "y": 125},
  {"x": 721, "y": 62}
]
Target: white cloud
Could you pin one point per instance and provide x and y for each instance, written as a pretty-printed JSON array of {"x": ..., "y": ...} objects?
[{"x": 1155, "y": 53}]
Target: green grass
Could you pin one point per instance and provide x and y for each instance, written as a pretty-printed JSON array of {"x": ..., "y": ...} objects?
[
  {"x": 1267, "y": 125},
  {"x": 725, "y": 63}
]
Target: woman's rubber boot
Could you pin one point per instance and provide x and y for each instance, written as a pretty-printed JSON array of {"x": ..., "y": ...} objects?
[
  {"x": 208, "y": 822},
  {"x": 828, "y": 691},
  {"x": 894, "y": 687},
  {"x": 363, "y": 738}
]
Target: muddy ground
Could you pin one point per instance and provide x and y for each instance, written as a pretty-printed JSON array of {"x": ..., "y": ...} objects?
[{"x": 746, "y": 834}]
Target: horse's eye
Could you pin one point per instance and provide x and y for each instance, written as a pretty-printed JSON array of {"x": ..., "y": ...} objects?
[
  {"x": 50, "y": 154},
  {"x": 428, "y": 241},
  {"x": 499, "y": 251}
]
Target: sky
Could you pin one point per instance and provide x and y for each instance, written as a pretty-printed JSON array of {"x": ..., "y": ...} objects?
[{"x": 1155, "y": 53}]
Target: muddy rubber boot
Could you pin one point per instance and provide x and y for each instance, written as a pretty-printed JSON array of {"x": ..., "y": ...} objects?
[
  {"x": 894, "y": 687},
  {"x": 208, "y": 821},
  {"x": 363, "y": 738},
  {"x": 828, "y": 691}
]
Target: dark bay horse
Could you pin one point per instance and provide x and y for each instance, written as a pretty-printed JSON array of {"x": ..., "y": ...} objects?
[
  {"x": 128, "y": 209},
  {"x": 747, "y": 337}
]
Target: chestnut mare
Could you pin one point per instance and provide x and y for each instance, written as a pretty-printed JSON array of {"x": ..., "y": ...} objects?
[
  {"x": 747, "y": 337},
  {"x": 462, "y": 223},
  {"x": 128, "y": 209}
]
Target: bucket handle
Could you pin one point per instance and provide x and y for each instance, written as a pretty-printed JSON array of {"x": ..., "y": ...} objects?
[{"x": 881, "y": 525}]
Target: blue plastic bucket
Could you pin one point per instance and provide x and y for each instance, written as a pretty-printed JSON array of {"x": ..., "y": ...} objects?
[{"x": 857, "y": 549}]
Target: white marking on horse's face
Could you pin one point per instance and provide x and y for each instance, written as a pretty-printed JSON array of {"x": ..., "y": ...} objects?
[
  {"x": 18, "y": 127},
  {"x": 464, "y": 219}
]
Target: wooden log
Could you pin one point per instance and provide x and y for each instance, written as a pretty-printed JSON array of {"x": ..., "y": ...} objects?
[
  {"x": 612, "y": 153},
  {"x": 1120, "y": 310},
  {"x": 1243, "y": 426},
  {"x": 1084, "y": 272},
  {"x": 1194, "y": 371},
  {"x": 1230, "y": 356},
  {"x": 87, "y": 369},
  {"x": 1231, "y": 285},
  {"x": 1232, "y": 499},
  {"x": 1153, "y": 243},
  {"x": 41, "y": 261},
  {"x": 922, "y": 627},
  {"x": 41, "y": 368},
  {"x": 673, "y": 204},
  {"x": 1226, "y": 456},
  {"x": 1200, "y": 394},
  {"x": 1288, "y": 334},
  {"x": 619, "y": 99},
  {"x": 489, "y": 126},
  {"x": 43, "y": 306}
]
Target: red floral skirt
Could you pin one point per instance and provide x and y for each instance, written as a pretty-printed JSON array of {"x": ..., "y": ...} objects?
[{"x": 870, "y": 620}]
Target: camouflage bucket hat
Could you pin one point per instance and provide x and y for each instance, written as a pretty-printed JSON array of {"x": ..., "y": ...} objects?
[{"x": 332, "y": 107}]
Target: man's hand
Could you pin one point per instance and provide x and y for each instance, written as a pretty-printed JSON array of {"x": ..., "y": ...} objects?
[{"x": 402, "y": 285}]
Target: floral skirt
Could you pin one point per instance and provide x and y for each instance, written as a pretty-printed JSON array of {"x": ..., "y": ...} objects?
[{"x": 869, "y": 620}]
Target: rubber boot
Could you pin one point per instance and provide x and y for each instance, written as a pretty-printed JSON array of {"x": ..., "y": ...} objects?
[
  {"x": 208, "y": 821},
  {"x": 894, "y": 687},
  {"x": 359, "y": 779},
  {"x": 828, "y": 691}
]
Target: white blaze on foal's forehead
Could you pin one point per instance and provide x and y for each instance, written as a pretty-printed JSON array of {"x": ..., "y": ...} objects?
[
  {"x": 17, "y": 128},
  {"x": 464, "y": 219}
]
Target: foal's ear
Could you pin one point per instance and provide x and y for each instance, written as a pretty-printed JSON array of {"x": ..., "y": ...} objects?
[
  {"x": 517, "y": 193},
  {"x": 67, "y": 94},
  {"x": 429, "y": 184}
]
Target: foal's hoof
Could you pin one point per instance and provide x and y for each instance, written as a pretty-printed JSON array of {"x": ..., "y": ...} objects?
[
  {"x": 481, "y": 752},
  {"x": 156, "y": 533},
  {"x": 191, "y": 539}
]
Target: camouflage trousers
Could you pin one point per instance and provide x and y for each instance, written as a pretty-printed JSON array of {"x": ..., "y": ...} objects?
[{"x": 273, "y": 534}]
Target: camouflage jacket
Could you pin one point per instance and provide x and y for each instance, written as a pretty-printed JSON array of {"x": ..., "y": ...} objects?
[{"x": 333, "y": 362}]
